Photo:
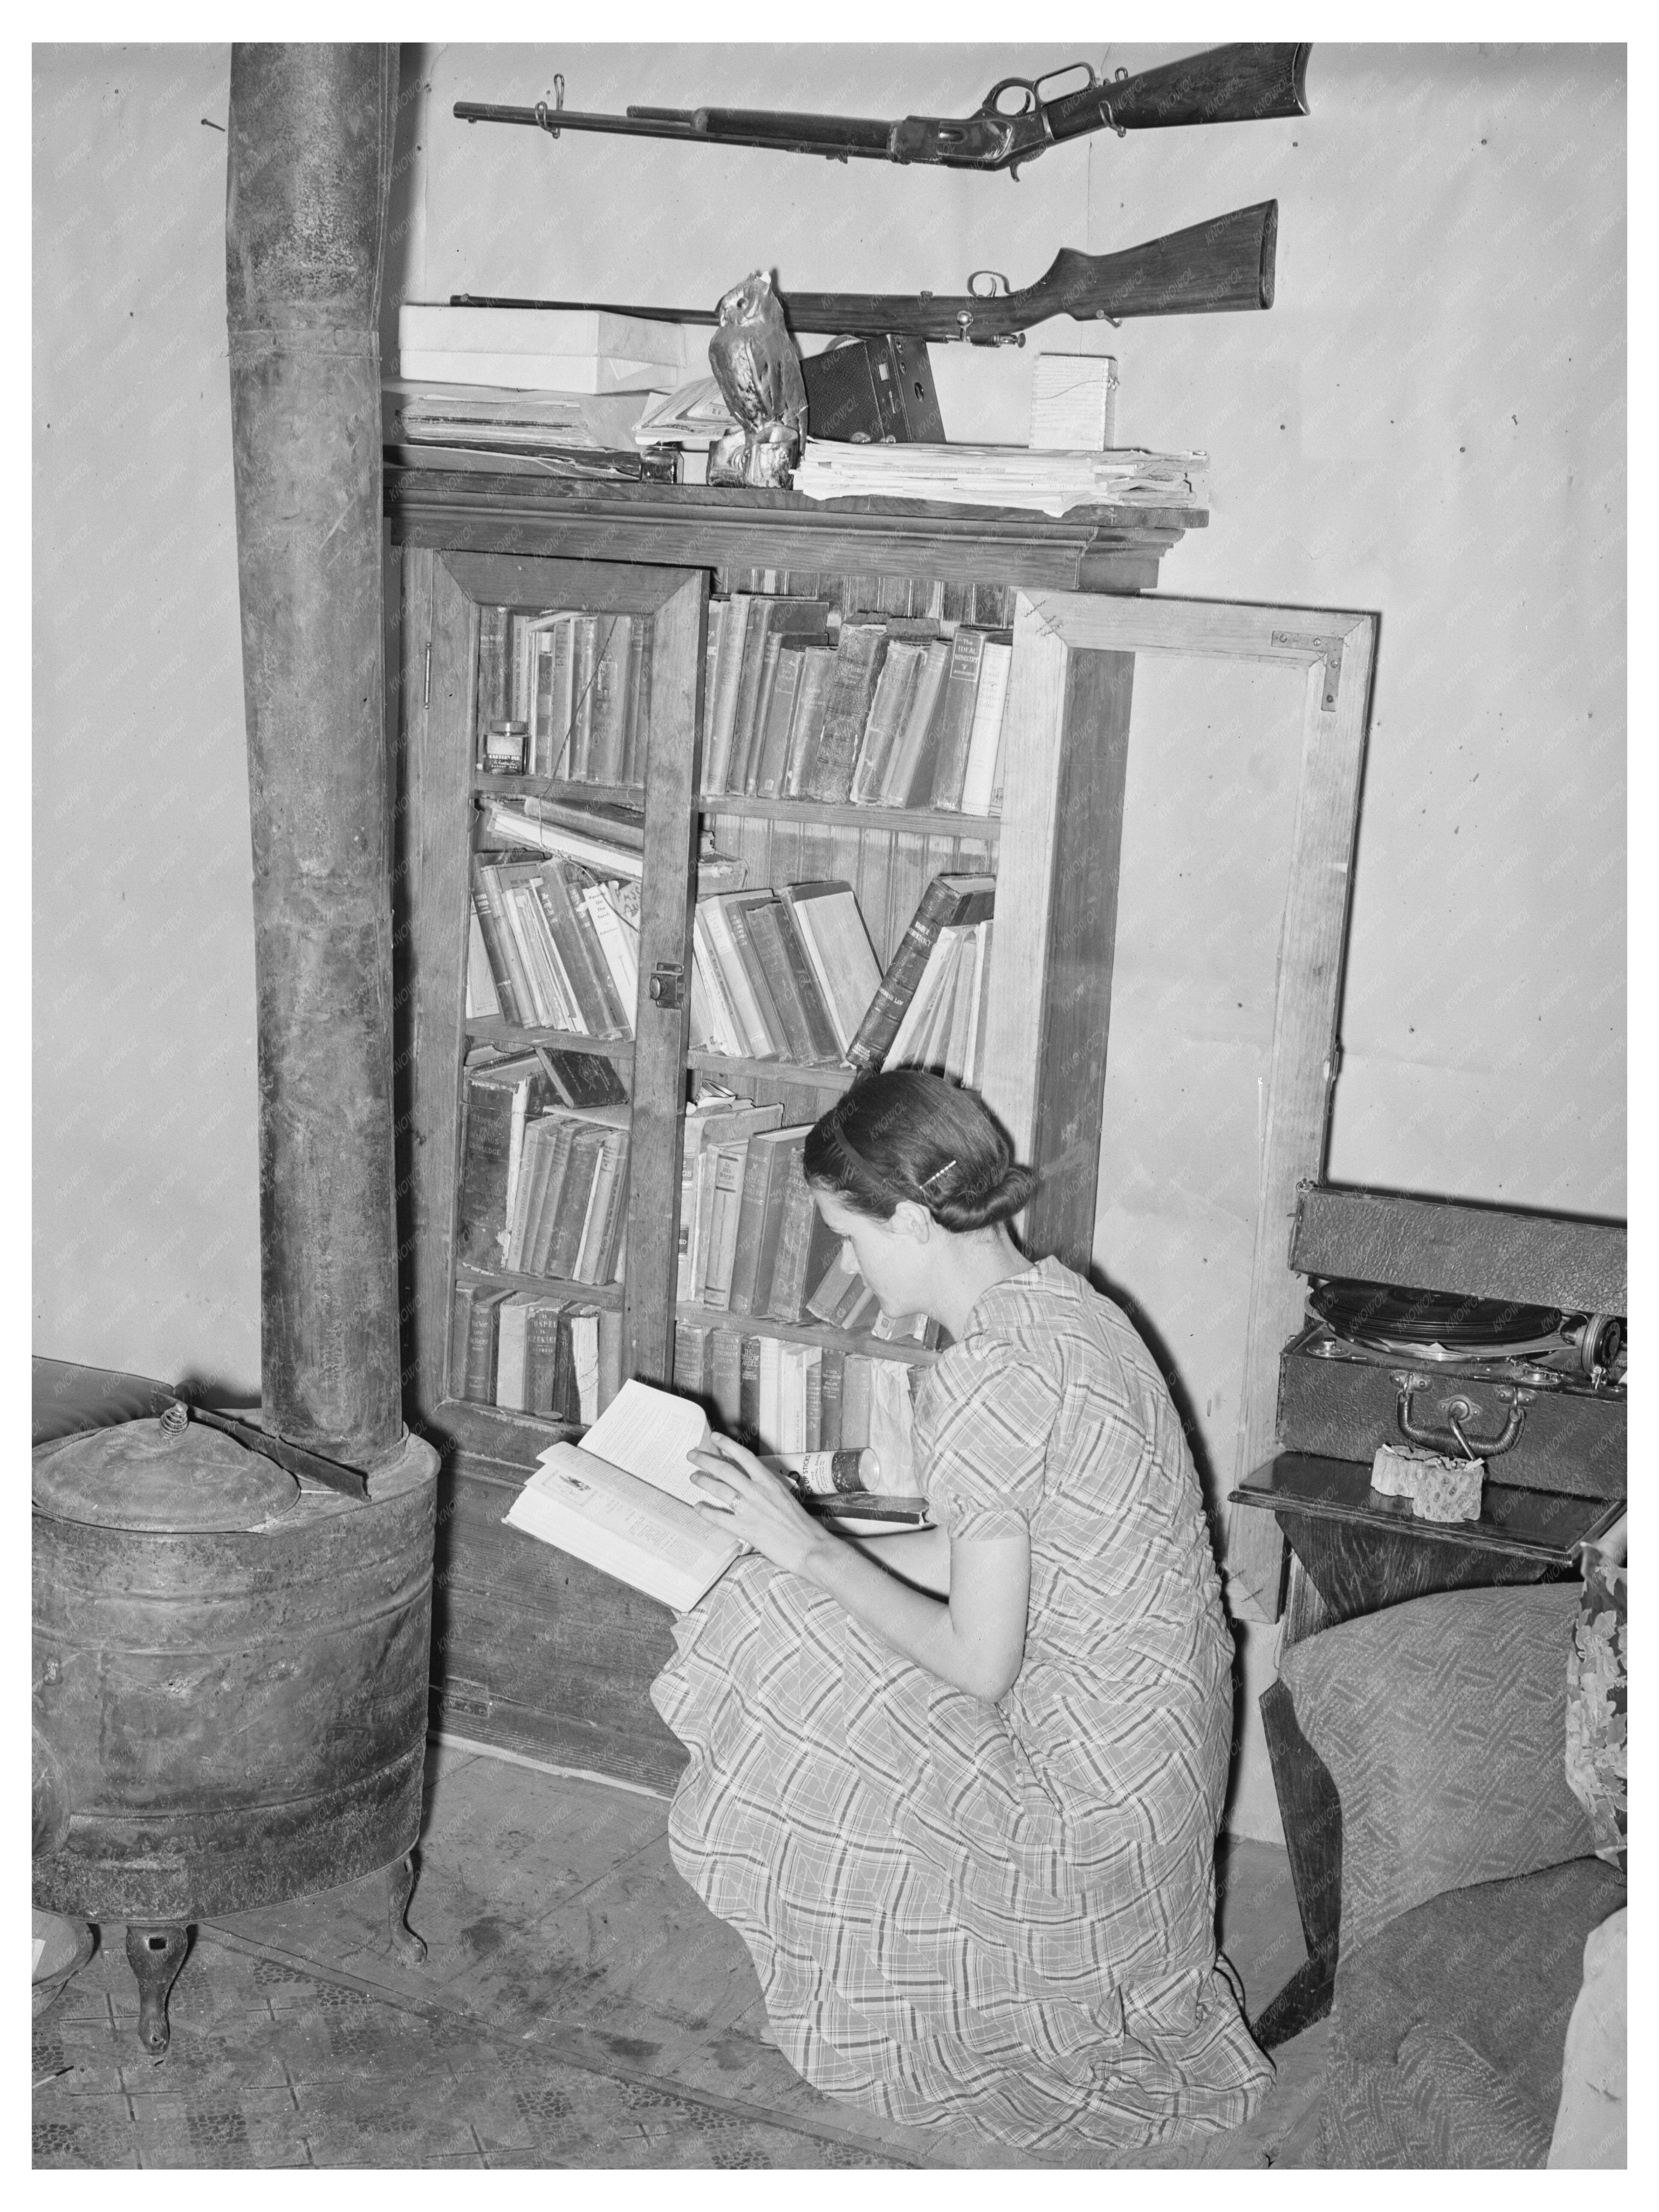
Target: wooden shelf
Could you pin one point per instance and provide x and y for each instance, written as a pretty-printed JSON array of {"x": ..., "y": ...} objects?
[
  {"x": 772, "y": 1071},
  {"x": 493, "y": 1029},
  {"x": 553, "y": 1286},
  {"x": 834, "y": 1339},
  {"x": 916, "y": 821}
]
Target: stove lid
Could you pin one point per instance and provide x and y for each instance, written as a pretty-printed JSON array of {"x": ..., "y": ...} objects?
[{"x": 156, "y": 1476}]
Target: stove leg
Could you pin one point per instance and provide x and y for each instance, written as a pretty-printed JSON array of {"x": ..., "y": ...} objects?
[
  {"x": 399, "y": 1887},
  {"x": 155, "y": 1954}
]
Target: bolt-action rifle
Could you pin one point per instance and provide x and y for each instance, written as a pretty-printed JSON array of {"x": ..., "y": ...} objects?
[
  {"x": 1013, "y": 124},
  {"x": 1216, "y": 267}
]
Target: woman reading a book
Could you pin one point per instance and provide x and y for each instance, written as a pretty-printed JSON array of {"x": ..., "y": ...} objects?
[{"x": 958, "y": 1788}]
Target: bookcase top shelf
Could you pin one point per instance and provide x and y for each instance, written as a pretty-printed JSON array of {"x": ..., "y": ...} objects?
[
  {"x": 1094, "y": 549},
  {"x": 914, "y": 821}
]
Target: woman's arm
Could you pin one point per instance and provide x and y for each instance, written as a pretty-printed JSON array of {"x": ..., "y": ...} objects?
[
  {"x": 975, "y": 1640},
  {"x": 921, "y": 1556}
]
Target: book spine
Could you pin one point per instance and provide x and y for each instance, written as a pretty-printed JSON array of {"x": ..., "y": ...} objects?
[
  {"x": 636, "y": 737},
  {"x": 610, "y": 668},
  {"x": 584, "y": 670},
  {"x": 812, "y": 1410},
  {"x": 823, "y": 1043},
  {"x": 585, "y": 1361},
  {"x": 756, "y": 1176},
  {"x": 548, "y": 1207},
  {"x": 786, "y": 1175},
  {"x": 737, "y": 913},
  {"x": 717, "y": 612},
  {"x": 611, "y": 1353},
  {"x": 573, "y": 1204},
  {"x": 717, "y": 745},
  {"x": 786, "y": 1290},
  {"x": 772, "y": 754},
  {"x": 985, "y": 742},
  {"x": 542, "y": 1356},
  {"x": 855, "y": 1395},
  {"x": 510, "y": 983},
  {"x": 859, "y": 663},
  {"x": 481, "y": 1347},
  {"x": 956, "y": 719},
  {"x": 755, "y": 635},
  {"x": 886, "y": 1010},
  {"x": 493, "y": 675},
  {"x": 460, "y": 1325},
  {"x": 730, "y": 1161},
  {"x": 726, "y": 1380},
  {"x": 831, "y": 1383},
  {"x": 766, "y": 932},
  {"x": 748, "y": 1430},
  {"x": 806, "y": 729},
  {"x": 558, "y": 888},
  {"x": 691, "y": 1357},
  {"x": 486, "y": 1157}
]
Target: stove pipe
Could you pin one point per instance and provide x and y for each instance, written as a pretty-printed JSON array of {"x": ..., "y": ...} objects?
[{"x": 310, "y": 166}]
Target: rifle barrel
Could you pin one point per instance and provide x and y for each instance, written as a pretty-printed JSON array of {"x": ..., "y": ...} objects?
[{"x": 1223, "y": 266}]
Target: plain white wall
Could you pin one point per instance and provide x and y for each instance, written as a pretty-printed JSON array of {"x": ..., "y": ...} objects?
[
  {"x": 1429, "y": 424},
  {"x": 145, "y": 1168}
]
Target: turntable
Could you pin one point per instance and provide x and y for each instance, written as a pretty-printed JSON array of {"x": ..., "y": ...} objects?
[{"x": 1478, "y": 1332}]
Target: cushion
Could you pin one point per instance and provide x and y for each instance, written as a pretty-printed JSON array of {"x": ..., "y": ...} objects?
[
  {"x": 1449, "y": 2028},
  {"x": 1443, "y": 1722},
  {"x": 1598, "y": 1772}
]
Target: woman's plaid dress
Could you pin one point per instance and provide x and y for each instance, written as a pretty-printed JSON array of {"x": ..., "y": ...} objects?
[{"x": 1003, "y": 1912}]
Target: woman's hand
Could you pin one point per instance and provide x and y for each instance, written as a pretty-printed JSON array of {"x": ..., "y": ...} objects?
[{"x": 755, "y": 1503}]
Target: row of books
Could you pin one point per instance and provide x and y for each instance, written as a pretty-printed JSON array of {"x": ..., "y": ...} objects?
[
  {"x": 787, "y": 975},
  {"x": 528, "y": 1352},
  {"x": 802, "y": 703},
  {"x": 571, "y": 690},
  {"x": 544, "y": 1180},
  {"x": 801, "y": 699},
  {"x": 560, "y": 1359},
  {"x": 750, "y": 1239},
  {"x": 790, "y": 1399}
]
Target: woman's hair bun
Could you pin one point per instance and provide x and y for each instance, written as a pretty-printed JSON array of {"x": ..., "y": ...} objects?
[
  {"x": 907, "y": 1135},
  {"x": 979, "y": 1204}
]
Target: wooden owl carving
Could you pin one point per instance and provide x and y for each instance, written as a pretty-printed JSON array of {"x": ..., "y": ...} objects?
[{"x": 758, "y": 372}]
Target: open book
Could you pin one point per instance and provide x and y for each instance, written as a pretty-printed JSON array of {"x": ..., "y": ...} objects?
[{"x": 623, "y": 1499}]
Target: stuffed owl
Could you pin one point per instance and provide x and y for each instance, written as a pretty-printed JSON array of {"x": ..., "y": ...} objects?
[{"x": 758, "y": 372}]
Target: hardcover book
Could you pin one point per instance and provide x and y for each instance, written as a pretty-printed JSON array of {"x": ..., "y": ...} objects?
[{"x": 623, "y": 1501}]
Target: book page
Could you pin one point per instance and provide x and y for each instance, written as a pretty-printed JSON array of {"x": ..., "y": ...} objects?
[
  {"x": 623, "y": 1526},
  {"x": 647, "y": 1433}
]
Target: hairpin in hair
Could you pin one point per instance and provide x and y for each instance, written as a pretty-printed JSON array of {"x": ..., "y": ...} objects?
[{"x": 936, "y": 1175}]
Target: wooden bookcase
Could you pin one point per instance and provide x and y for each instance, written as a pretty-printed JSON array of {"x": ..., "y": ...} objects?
[{"x": 534, "y": 1650}]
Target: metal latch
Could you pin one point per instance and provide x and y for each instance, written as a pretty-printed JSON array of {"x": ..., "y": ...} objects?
[
  {"x": 1330, "y": 647},
  {"x": 668, "y": 985}
]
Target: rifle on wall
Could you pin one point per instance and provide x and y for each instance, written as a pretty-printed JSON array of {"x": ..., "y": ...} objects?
[
  {"x": 1013, "y": 124},
  {"x": 1214, "y": 268}
]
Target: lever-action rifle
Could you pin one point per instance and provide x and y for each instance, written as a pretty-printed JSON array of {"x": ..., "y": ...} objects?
[
  {"x": 1214, "y": 268},
  {"x": 1013, "y": 124}
]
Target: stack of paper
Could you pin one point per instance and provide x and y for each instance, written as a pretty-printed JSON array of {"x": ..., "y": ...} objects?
[{"x": 1005, "y": 476}]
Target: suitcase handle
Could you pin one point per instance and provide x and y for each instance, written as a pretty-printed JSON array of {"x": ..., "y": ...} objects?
[{"x": 1457, "y": 1411}]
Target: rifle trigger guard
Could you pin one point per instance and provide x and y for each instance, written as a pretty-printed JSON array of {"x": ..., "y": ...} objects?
[{"x": 996, "y": 277}]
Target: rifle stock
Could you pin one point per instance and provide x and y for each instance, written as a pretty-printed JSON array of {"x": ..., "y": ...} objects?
[
  {"x": 1220, "y": 267},
  {"x": 1244, "y": 83}
]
